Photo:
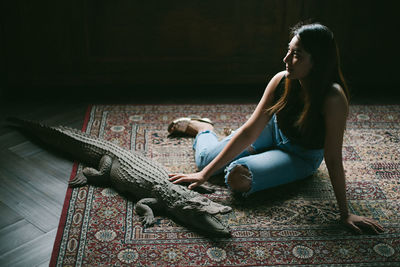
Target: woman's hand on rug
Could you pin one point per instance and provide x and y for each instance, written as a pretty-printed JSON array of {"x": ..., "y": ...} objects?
[
  {"x": 195, "y": 179},
  {"x": 362, "y": 224}
]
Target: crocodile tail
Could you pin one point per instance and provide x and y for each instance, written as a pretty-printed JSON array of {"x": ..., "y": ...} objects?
[
  {"x": 60, "y": 138},
  {"x": 17, "y": 121},
  {"x": 37, "y": 129},
  {"x": 45, "y": 131}
]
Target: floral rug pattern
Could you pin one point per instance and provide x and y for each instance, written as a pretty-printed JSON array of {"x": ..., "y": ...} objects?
[{"x": 295, "y": 224}]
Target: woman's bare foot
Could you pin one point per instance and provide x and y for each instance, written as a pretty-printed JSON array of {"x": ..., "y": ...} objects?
[
  {"x": 195, "y": 127},
  {"x": 190, "y": 126}
]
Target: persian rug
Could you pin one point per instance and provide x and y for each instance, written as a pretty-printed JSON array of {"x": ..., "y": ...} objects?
[{"x": 295, "y": 224}]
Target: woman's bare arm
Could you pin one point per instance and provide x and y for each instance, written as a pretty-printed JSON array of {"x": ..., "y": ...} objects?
[{"x": 336, "y": 110}]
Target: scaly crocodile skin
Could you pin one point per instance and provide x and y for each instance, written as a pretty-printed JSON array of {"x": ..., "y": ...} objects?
[{"x": 135, "y": 174}]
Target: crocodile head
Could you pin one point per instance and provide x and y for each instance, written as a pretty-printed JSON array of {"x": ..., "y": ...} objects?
[
  {"x": 201, "y": 203},
  {"x": 204, "y": 223},
  {"x": 199, "y": 212}
]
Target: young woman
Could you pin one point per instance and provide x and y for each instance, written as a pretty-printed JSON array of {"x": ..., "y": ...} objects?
[{"x": 299, "y": 120}]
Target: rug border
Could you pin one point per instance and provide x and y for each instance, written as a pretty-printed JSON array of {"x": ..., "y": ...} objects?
[{"x": 63, "y": 217}]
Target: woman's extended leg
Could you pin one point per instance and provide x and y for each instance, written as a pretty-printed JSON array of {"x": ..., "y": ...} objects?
[{"x": 207, "y": 146}]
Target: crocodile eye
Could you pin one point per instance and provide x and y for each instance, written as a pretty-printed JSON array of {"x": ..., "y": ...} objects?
[{"x": 204, "y": 200}]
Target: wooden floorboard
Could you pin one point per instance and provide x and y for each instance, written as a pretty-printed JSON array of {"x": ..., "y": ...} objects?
[
  {"x": 10, "y": 138},
  {"x": 8, "y": 216},
  {"x": 33, "y": 183},
  {"x": 54, "y": 165},
  {"x": 37, "y": 176},
  {"x": 33, "y": 253},
  {"x": 17, "y": 234}
]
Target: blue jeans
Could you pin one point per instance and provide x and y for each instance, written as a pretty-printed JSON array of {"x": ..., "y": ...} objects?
[{"x": 272, "y": 159}]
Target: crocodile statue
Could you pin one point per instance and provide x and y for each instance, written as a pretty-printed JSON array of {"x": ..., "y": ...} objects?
[{"x": 131, "y": 173}]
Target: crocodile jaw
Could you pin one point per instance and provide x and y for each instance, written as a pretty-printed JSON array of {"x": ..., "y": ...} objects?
[
  {"x": 204, "y": 223},
  {"x": 210, "y": 224}
]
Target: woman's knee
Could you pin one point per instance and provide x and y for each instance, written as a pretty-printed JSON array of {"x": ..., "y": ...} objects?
[
  {"x": 202, "y": 159},
  {"x": 239, "y": 179}
]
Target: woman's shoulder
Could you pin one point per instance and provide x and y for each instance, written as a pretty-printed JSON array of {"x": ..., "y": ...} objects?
[
  {"x": 274, "y": 82},
  {"x": 280, "y": 75},
  {"x": 277, "y": 79},
  {"x": 335, "y": 99},
  {"x": 336, "y": 93}
]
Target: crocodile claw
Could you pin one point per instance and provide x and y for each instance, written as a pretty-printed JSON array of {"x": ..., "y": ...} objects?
[
  {"x": 79, "y": 180},
  {"x": 147, "y": 221}
]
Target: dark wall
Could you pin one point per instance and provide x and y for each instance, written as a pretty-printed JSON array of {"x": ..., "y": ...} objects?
[{"x": 87, "y": 46}]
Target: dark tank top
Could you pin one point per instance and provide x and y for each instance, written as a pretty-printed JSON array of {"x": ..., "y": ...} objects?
[{"x": 314, "y": 137}]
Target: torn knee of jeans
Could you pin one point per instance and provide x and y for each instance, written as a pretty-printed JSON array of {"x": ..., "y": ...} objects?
[
  {"x": 201, "y": 161},
  {"x": 251, "y": 149},
  {"x": 239, "y": 178}
]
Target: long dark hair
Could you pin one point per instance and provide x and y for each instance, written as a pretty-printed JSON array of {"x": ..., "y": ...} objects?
[{"x": 319, "y": 42}]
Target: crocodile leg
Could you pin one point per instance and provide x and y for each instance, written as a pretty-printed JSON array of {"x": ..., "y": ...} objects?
[
  {"x": 92, "y": 175},
  {"x": 144, "y": 208}
]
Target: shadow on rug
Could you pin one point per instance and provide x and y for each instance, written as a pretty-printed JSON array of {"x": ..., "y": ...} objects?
[{"x": 295, "y": 224}]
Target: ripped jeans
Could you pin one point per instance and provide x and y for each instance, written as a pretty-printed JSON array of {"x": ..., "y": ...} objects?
[{"x": 272, "y": 159}]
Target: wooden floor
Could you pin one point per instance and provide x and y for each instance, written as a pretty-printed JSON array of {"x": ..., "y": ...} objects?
[{"x": 33, "y": 184}]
